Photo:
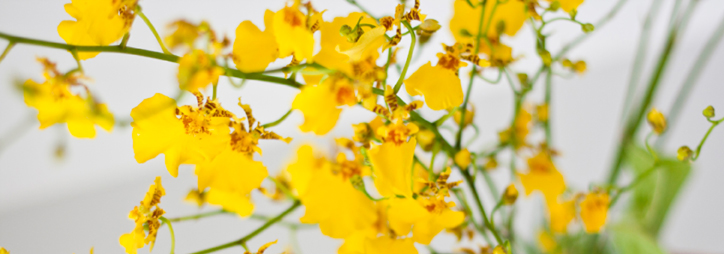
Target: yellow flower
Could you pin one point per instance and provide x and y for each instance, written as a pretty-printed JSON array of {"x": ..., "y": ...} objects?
[
  {"x": 186, "y": 135},
  {"x": 184, "y": 34},
  {"x": 657, "y": 121},
  {"x": 292, "y": 34},
  {"x": 510, "y": 15},
  {"x": 594, "y": 209},
  {"x": 397, "y": 132},
  {"x": 196, "y": 70},
  {"x": 424, "y": 216},
  {"x": 561, "y": 214},
  {"x": 377, "y": 238},
  {"x": 440, "y": 86},
  {"x": 462, "y": 158},
  {"x": 568, "y": 5},
  {"x": 145, "y": 214},
  {"x": 263, "y": 248},
  {"x": 98, "y": 23},
  {"x": 543, "y": 176},
  {"x": 319, "y": 103},
  {"x": 231, "y": 176},
  {"x": 329, "y": 198},
  {"x": 4, "y": 251},
  {"x": 253, "y": 49},
  {"x": 392, "y": 166},
  {"x": 57, "y": 104}
]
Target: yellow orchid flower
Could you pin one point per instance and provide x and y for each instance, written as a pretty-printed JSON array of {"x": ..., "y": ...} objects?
[
  {"x": 186, "y": 135},
  {"x": 510, "y": 15},
  {"x": 292, "y": 34},
  {"x": 98, "y": 23},
  {"x": 57, "y": 104},
  {"x": 253, "y": 49},
  {"x": 392, "y": 166},
  {"x": 543, "y": 176},
  {"x": 594, "y": 209},
  {"x": 145, "y": 214},
  {"x": 424, "y": 216},
  {"x": 196, "y": 70},
  {"x": 319, "y": 104},
  {"x": 561, "y": 214},
  {"x": 231, "y": 176},
  {"x": 329, "y": 198}
]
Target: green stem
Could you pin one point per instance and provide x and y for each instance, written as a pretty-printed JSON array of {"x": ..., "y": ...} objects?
[
  {"x": 633, "y": 183},
  {"x": 497, "y": 80},
  {"x": 409, "y": 57},
  {"x": 460, "y": 195},
  {"x": 242, "y": 241},
  {"x": 77, "y": 60},
  {"x": 278, "y": 121},
  {"x": 706, "y": 136},
  {"x": 213, "y": 95},
  {"x": 471, "y": 184},
  {"x": 124, "y": 41},
  {"x": 640, "y": 57},
  {"x": 634, "y": 122},
  {"x": 694, "y": 74},
  {"x": 170, "y": 230},
  {"x": 547, "y": 123},
  {"x": 510, "y": 81},
  {"x": 197, "y": 216},
  {"x": 144, "y": 53},
  {"x": 463, "y": 108},
  {"x": 153, "y": 30},
  {"x": 7, "y": 50}
]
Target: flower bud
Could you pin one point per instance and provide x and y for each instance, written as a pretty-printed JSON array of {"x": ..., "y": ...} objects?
[
  {"x": 427, "y": 28},
  {"x": 469, "y": 114},
  {"x": 510, "y": 195},
  {"x": 545, "y": 56},
  {"x": 491, "y": 164},
  {"x": 709, "y": 112},
  {"x": 657, "y": 121},
  {"x": 684, "y": 153},
  {"x": 499, "y": 250},
  {"x": 554, "y": 6},
  {"x": 426, "y": 139},
  {"x": 462, "y": 158},
  {"x": 587, "y": 28}
]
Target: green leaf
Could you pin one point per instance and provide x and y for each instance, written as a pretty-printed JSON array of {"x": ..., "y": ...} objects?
[
  {"x": 630, "y": 238},
  {"x": 653, "y": 197}
]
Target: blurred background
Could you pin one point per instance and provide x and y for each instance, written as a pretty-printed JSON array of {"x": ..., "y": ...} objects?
[{"x": 68, "y": 203}]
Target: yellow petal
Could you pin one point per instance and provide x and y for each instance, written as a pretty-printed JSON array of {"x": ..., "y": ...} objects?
[
  {"x": 387, "y": 245},
  {"x": 133, "y": 241},
  {"x": 196, "y": 70},
  {"x": 403, "y": 213},
  {"x": 231, "y": 171},
  {"x": 594, "y": 209},
  {"x": 98, "y": 24},
  {"x": 253, "y": 49},
  {"x": 319, "y": 107},
  {"x": 234, "y": 202},
  {"x": 464, "y": 24},
  {"x": 291, "y": 34},
  {"x": 561, "y": 214},
  {"x": 392, "y": 165},
  {"x": 367, "y": 45},
  {"x": 440, "y": 86},
  {"x": 424, "y": 231}
]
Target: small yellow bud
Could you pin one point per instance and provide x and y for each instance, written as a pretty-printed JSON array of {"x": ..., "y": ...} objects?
[
  {"x": 545, "y": 56},
  {"x": 580, "y": 67},
  {"x": 499, "y": 250},
  {"x": 684, "y": 153},
  {"x": 554, "y": 6},
  {"x": 462, "y": 158},
  {"x": 709, "y": 112},
  {"x": 510, "y": 195},
  {"x": 587, "y": 28},
  {"x": 491, "y": 164},
  {"x": 523, "y": 78},
  {"x": 567, "y": 63},
  {"x": 469, "y": 114},
  {"x": 657, "y": 121},
  {"x": 426, "y": 139}
]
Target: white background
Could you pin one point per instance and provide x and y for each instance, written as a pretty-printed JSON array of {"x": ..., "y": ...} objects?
[{"x": 64, "y": 206}]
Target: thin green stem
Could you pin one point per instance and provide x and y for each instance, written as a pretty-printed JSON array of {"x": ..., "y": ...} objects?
[
  {"x": 634, "y": 122},
  {"x": 490, "y": 18},
  {"x": 510, "y": 81},
  {"x": 547, "y": 99},
  {"x": 478, "y": 201},
  {"x": 278, "y": 121},
  {"x": 144, "y": 53},
  {"x": 124, "y": 41},
  {"x": 7, "y": 50},
  {"x": 497, "y": 79},
  {"x": 242, "y": 241},
  {"x": 409, "y": 57},
  {"x": 197, "y": 216},
  {"x": 463, "y": 108},
  {"x": 153, "y": 30},
  {"x": 633, "y": 183},
  {"x": 640, "y": 57},
  {"x": 691, "y": 79},
  {"x": 170, "y": 230},
  {"x": 284, "y": 189},
  {"x": 460, "y": 195},
  {"x": 77, "y": 60},
  {"x": 214, "y": 85},
  {"x": 706, "y": 136}
]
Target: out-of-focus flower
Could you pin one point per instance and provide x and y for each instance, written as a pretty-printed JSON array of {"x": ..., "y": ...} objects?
[
  {"x": 97, "y": 23},
  {"x": 594, "y": 210},
  {"x": 148, "y": 213}
]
